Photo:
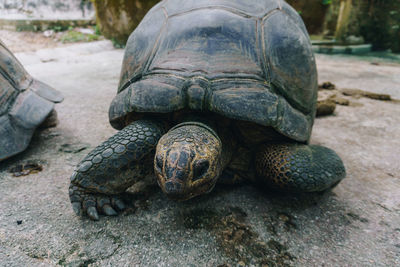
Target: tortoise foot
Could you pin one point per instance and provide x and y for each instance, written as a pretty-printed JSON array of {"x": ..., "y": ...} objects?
[
  {"x": 299, "y": 168},
  {"x": 118, "y": 163},
  {"x": 93, "y": 204}
]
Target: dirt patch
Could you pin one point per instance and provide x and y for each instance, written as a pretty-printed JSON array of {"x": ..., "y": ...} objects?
[
  {"x": 329, "y": 96},
  {"x": 25, "y": 169},
  {"x": 361, "y": 93},
  {"x": 325, "y": 107},
  {"x": 236, "y": 238},
  {"x": 73, "y": 148},
  {"x": 327, "y": 86},
  {"x": 18, "y": 41},
  {"x": 26, "y": 41}
]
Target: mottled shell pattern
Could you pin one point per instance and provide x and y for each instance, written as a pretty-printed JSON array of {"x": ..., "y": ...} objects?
[{"x": 245, "y": 60}]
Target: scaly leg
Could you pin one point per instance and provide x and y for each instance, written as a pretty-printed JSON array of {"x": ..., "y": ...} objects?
[
  {"x": 299, "y": 168},
  {"x": 113, "y": 167}
]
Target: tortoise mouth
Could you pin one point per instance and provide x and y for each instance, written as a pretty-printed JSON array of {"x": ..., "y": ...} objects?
[
  {"x": 177, "y": 191},
  {"x": 184, "y": 189}
]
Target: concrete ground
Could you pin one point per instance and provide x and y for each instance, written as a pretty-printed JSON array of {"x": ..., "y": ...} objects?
[
  {"x": 28, "y": 41},
  {"x": 356, "y": 224}
]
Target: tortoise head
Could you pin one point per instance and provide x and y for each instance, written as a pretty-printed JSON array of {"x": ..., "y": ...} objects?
[{"x": 188, "y": 160}]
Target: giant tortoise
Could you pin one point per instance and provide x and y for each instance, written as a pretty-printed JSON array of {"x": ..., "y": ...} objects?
[
  {"x": 210, "y": 91},
  {"x": 25, "y": 104}
]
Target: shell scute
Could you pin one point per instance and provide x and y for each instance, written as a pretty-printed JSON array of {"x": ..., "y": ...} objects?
[
  {"x": 24, "y": 104},
  {"x": 249, "y": 61}
]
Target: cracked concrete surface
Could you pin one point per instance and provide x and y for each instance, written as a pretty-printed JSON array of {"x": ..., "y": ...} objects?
[{"x": 356, "y": 224}]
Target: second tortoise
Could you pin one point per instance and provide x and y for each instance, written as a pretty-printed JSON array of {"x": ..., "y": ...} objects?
[{"x": 25, "y": 105}]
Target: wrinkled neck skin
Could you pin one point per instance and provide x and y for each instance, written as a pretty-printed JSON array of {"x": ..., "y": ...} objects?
[{"x": 188, "y": 160}]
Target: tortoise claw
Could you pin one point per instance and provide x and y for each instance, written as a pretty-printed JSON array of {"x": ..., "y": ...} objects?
[
  {"x": 92, "y": 213},
  {"x": 119, "y": 204},
  {"x": 76, "y": 206},
  {"x": 109, "y": 211},
  {"x": 92, "y": 204}
]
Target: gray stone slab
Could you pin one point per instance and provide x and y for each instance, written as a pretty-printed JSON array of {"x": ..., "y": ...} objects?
[{"x": 39, "y": 9}]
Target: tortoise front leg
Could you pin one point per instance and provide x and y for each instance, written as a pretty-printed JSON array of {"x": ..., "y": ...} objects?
[
  {"x": 112, "y": 167},
  {"x": 299, "y": 168}
]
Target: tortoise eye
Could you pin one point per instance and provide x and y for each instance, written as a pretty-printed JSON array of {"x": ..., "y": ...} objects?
[{"x": 200, "y": 169}]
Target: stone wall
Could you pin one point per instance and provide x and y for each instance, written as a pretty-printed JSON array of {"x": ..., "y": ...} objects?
[
  {"x": 118, "y": 18},
  {"x": 46, "y": 9},
  {"x": 313, "y": 12}
]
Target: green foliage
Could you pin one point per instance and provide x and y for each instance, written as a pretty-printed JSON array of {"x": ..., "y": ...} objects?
[
  {"x": 326, "y": 2},
  {"x": 379, "y": 24},
  {"x": 97, "y": 30},
  {"x": 72, "y": 36},
  {"x": 59, "y": 28},
  {"x": 117, "y": 44}
]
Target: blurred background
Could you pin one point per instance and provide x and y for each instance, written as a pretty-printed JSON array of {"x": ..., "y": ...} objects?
[{"x": 334, "y": 25}]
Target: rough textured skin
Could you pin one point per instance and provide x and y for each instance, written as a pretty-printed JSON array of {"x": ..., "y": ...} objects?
[
  {"x": 115, "y": 165},
  {"x": 24, "y": 104},
  {"x": 188, "y": 160},
  {"x": 299, "y": 168},
  {"x": 244, "y": 60}
]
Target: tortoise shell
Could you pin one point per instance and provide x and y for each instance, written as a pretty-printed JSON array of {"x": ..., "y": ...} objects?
[
  {"x": 24, "y": 104},
  {"x": 245, "y": 60}
]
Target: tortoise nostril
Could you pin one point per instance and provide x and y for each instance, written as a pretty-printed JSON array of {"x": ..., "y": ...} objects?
[{"x": 200, "y": 169}]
